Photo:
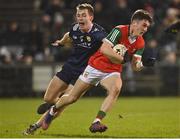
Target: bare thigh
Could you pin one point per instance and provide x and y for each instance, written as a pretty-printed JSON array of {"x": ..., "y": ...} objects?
[
  {"x": 79, "y": 89},
  {"x": 54, "y": 89},
  {"x": 112, "y": 83}
]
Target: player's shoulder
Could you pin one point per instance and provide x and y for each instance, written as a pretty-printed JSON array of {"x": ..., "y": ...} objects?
[
  {"x": 122, "y": 27},
  {"x": 74, "y": 27},
  {"x": 97, "y": 28},
  {"x": 140, "y": 41}
]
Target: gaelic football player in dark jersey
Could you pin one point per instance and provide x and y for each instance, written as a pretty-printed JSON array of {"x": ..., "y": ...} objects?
[{"x": 86, "y": 38}]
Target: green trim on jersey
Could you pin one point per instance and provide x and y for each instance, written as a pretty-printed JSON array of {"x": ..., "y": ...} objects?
[
  {"x": 139, "y": 52},
  {"x": 114, "y": 36}
]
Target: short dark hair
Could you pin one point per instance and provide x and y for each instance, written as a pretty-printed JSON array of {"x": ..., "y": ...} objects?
[
  {"x": 141, "y": 14},
  {"x": 87, "y": 6}
]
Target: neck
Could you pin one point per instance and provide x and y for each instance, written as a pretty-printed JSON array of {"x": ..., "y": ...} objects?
[
  {"x": 131, "y": 32},
  {"x": 88, "y": 28}
]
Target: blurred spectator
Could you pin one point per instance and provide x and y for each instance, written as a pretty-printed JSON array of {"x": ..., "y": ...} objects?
[
  {"x": 53, "y": 20},
  {"x": 121, "y": 13},
  {"x": 53, "y": 13},
  {"x": 170, "y": 73},
  {"x": 171, "y": 16},
  {"x": 169, "y": 48},
  {"x": 5, "y": 56},
  {"x": 12, "y": 42},
  {"x": 13, "y": 36},
  {"x": 34, "y": 48},
  {"x": 169, "y": 54},
  {"x": 44, "y": 4},
  {"x": 175, "y": 4},
  {"x": 167, "y": 41},
  {"x": 101, "y": 15},
  {"x": 37, "y": 4}
]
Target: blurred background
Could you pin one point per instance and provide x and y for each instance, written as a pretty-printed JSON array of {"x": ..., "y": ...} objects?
[{"x": 28, "y": 61}]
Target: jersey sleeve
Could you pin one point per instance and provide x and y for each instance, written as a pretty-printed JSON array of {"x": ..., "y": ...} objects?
[
  {"x": 139, "y": 52},
  {"x": 114, "y": 36},
  {"x": 140, "y": 47}
]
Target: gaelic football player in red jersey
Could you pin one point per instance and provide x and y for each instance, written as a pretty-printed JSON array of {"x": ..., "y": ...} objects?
[{"x": 105, "y": 67}]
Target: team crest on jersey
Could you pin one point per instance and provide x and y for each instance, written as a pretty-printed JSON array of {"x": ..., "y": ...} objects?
[{"x": 88, "y": 38}]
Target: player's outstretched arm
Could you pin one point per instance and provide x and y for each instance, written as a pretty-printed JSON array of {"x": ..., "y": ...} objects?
[{"x": 65, "y": 41}]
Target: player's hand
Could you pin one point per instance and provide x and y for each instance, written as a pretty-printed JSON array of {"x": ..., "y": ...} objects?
[
  {"x": 149, "y": 62},
  {"x": 139, "y": 66},
  {"x": 56, "y": 43},
  {"x": 149, "y": 57}
]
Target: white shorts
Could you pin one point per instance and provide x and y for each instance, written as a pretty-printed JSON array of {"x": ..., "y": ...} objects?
[{"x": 94, "y": 76}]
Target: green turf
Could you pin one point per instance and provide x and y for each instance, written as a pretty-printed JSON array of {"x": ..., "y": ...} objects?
[{"x": 130, "y": 117}]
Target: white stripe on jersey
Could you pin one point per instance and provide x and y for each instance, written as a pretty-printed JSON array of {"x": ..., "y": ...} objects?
[
  {"x": 136, "y": 55},
  {"x": 106, "y": 40},
  {"x": 114, "y": 35}
]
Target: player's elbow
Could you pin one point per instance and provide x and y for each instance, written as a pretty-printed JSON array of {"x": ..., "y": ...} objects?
[{"x": 104, "y": 50}]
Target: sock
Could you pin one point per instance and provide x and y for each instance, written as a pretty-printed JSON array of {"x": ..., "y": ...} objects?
[
  {"x": 99, "y": 116},
  {"x": 97, "y": 120},
  {"x": 37, "y": 125},
  {"x": 53, "y": 110}
]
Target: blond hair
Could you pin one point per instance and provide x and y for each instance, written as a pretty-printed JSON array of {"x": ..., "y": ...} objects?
[{"x": 87, "y": 6}]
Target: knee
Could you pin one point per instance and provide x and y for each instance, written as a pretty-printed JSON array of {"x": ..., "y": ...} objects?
[
  {"x": 48, "y": 99},
  {"x": 115, "y": 91},
  {"x": 72, "y": 99}
]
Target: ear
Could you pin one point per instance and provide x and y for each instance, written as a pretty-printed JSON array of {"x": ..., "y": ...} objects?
[
  {"x": 135, "y": 22},
  {"x": 91, "y": 18}
]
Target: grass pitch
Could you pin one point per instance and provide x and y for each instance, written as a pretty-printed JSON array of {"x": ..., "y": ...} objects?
[{"x": 130, "y": 117}]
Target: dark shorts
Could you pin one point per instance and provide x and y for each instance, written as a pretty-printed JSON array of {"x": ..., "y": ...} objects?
[{"x": 68, "y": 74}]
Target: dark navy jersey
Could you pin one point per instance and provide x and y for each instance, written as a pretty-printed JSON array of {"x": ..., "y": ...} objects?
[{"x": 84, "y": 45}]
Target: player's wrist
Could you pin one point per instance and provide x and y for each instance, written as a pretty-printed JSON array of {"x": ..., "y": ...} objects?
[{"x": 139, "y": 65}]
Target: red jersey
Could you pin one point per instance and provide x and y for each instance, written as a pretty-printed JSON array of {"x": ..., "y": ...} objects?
[{"x": 119, "y": 35}]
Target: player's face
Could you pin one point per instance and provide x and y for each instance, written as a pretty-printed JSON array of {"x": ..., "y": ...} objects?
[
  {"x": 84, "y": 19},
  {"x": 141, "y": 27}
]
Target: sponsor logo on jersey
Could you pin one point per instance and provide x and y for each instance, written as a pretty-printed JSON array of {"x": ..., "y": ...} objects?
[
  {"x": 88, "y": 38},
  {"x": 85, "y": 45}
]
